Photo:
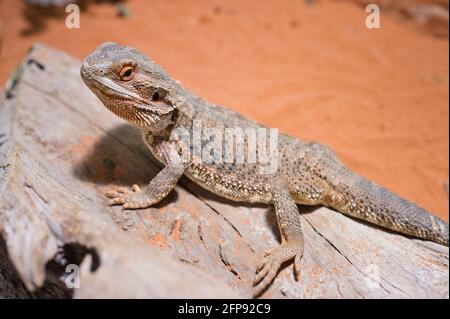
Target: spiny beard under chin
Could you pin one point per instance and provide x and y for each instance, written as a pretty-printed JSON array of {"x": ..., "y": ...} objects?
[{"x": 138, "y": 116}]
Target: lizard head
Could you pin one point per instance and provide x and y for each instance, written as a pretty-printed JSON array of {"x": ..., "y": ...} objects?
[{"x": 130, "y": 85}]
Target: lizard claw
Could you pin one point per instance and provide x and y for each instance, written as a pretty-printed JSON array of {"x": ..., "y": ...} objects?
[
  {"x": 136, "y": 188},
  {"x": 267, "y": 269},
  {"x": 129, "y": 199}
]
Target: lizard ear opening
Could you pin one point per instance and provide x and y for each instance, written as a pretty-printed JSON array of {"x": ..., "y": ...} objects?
[{"x": 156, "y": 96}]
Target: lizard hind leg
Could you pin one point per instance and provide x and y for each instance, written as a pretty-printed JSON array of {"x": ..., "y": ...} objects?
[{"x": 292, "y": 245}]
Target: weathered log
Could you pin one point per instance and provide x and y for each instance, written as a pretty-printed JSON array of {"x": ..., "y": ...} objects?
[{"x": 60, "y": 150}]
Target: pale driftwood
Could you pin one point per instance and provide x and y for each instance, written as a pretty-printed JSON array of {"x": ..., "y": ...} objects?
[{"x": 60, "y": 150}]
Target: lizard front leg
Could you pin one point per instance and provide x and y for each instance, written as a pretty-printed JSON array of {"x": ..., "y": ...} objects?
[
  {"x": 292, "y": 245},
  {"x": 159, "y": 187}
]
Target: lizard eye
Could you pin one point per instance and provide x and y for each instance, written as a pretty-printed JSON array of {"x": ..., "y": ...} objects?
[{"x": 126, "y": 73}]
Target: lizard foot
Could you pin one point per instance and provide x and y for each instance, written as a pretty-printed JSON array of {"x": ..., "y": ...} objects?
[
  {"x": 267, "y": 269},
  {"x": 129, "y": 199}
]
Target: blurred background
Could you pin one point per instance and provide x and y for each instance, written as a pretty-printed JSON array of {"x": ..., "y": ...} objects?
[{"x": 378, "y": 97}]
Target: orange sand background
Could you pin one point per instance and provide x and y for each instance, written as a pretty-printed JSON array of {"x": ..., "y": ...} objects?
[{"x": 379, "y": 98}]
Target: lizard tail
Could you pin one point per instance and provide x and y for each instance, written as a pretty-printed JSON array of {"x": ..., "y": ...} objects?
[{"x": 358, "y": 197}]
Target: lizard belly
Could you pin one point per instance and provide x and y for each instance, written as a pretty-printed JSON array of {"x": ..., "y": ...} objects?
[
  {"x": 236, "y": 186},
  {"x": 237, "y": 182}
]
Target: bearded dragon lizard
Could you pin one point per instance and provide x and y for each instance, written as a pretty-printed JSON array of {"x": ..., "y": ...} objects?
[{"x": 138, "y": 90}]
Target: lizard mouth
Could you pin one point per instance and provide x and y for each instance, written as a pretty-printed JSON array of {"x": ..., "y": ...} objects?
[{"x": 108, "y": 85}]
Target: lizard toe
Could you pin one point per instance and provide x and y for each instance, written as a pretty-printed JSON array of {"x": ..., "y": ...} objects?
[
  {"x": 136, "y": 188},
  {"x": 297, "y": 259},
  {"x": 266, "y": 271},
  {"x": 268, "y": 268},
  {"x": 129, "y": 199},
  {"x": 118, "y": 200},
  {"x": 118, "y": 192}
]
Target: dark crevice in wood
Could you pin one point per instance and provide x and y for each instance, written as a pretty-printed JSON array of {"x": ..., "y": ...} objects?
[{"x": 11, "y": 286}]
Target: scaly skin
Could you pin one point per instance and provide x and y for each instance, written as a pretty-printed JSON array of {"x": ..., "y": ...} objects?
[{"x": 139, "y": 91}]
